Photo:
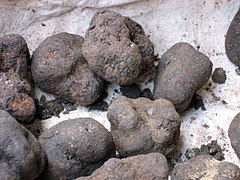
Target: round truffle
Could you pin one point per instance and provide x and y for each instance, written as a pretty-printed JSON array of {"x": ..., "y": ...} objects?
[
  {"x": 76, "y": 148},
  {"x": 58, "y": 67},
  {"x": 141, "y": 126},
  {"x": 219, "y": 76},
  {"x": 21, "y": 156},
  {"x": 117, "y": 48}
]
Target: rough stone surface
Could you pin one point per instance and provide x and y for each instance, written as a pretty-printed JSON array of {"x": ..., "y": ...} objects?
[
  {"x": 75, "y": 148},
  {"x": 141, "y": 167},
  {"x": 15, "y": 97},
  {"x": 232, "y": 42},
  {"x": 234, "y": 134},
  {"x": 141, "y": 126},
  {"x": 182, "y": 70},
  {"x": 58, "y": 67},
  {"x": 205, "y": 167},
  {"x": 14, "y": 54},
  {"x": 21, "y": 156},
  {"x": 219, "y": 76},
  {"x": 117, "y": 48}
]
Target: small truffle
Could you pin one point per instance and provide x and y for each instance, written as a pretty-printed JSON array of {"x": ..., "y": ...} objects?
[
  {"x": 141, "y": 126},
  {"x": 21, "y": 156},
  {"x": 75, "y": 148},
  {"x": 219, "y": 76},
  {"x": 182, "y": 70},
  {"x": 150, "y": 166},
  {"x": 58, "y": 67},
  {"x": 117, "y": 48}
]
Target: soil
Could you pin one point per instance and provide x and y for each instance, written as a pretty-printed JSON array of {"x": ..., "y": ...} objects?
[
  {"x": 197, "y": 102},
  {"x": 132, "y": 91},
  {"x": 147, "y": 93},
  {"x": 213, "y": 149},
  {"x": 100, "y": 105},
  {"x": 46, "y": 109}
]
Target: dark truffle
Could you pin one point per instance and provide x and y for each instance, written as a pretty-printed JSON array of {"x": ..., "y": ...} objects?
[
  {"x": 219, "y": 76},
  {"x": 75, "y": 147},
  {"x": 181, "y": 71},
  {"x": 58, "y": 67},
  {"x": 117, "y": 48},
  {"x": 141, "y": 126},
  {"x": 21, "y": 156}
]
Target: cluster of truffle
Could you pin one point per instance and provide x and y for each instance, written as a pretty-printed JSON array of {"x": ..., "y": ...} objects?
[{"x": 144, "y": 132}]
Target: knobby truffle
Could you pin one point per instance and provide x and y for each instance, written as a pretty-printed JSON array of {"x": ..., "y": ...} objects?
[
  {"x": 58, "y": 67},
  {"x": 14, "y": 88},
  {"x": 117, "y": 48},
  {"x": 141, "y": 126}
]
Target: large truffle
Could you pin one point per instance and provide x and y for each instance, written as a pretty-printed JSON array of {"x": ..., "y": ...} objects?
[
  {"x": 75, "y": 148},
  {"x": 117, "y": 48},
  {"x": 232, "y": 42},
  {"x": 58, "y": 67},
  {"x": 141, "y": 126},
  {"x": 150, "y": 166},
  {"x": 182, "y": 70},
  {"x": 205, "y": 167},
  {"x": 14, "y": 54},
  {"x": 15, "y": 97},
  {"x": 21, "y": 156}
]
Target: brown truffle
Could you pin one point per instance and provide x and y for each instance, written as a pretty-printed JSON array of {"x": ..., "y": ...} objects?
[
  {"x": 141, "y": 126},
  {"x": 58, "y": 67},
  {"x": 117, "y": 48}
]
